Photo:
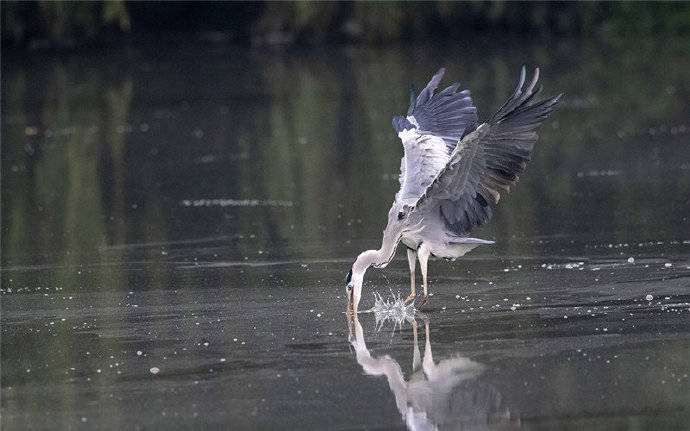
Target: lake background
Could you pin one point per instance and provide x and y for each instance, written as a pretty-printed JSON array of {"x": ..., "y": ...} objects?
[{"x": 193, "y": 202}]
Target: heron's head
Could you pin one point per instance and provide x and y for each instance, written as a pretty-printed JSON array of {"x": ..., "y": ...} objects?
[
  {"x": 355, "y": 277},
  {"x": 398, "y": 222},
  {"x": 398, "y": 219}
]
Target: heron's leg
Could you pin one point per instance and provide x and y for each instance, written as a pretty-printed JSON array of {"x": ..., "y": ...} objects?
[
  {"x": 416, "y": 359},
  {"x": 412, "y": 260},
  {"x": 428, "y": 362},
  {"x": 423, "y": 255}
]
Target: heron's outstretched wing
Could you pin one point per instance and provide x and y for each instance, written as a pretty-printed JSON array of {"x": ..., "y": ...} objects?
[
  {"x": 448, "y": 114},
  {"x": 431, "y": 130},
  {"x": 488, "y": 161},
  {"x": 425, "y": 156}
]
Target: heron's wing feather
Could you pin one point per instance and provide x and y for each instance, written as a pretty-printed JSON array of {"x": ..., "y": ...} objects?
[
  {"x": 431, "y": 130},
  {"x": 425, "y": 157},
  {"x": 447, "y": 114},
  {"x": 488, "y": 161}
]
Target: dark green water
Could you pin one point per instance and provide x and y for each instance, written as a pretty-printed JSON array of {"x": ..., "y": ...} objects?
[{"x": 202, "y": 205}]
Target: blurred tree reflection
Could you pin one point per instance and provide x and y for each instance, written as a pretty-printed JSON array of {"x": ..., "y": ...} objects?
[
  {"x": 61, "y": 24},
  {"x": 89, "y": 172}
]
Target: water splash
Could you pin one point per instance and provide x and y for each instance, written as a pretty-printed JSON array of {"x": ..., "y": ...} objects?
[{"x": 391, "y": 308}]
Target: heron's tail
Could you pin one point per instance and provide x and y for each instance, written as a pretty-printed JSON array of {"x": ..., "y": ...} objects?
[
  {"x": 472, "y": 241},
  {"x": 463, "y": 245}
]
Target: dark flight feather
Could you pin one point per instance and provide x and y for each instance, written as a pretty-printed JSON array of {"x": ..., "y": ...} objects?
[
  {"x": 447, "y": 114},
  {"x": 489, "y": 160}
]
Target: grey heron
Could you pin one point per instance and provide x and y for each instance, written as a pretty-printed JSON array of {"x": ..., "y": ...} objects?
[{"x": 452, "y": 172}]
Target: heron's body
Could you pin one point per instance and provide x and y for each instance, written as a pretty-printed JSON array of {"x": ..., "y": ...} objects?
[
  {"x": 452, "y": 171},
  {"x": 433, "y": 233}
]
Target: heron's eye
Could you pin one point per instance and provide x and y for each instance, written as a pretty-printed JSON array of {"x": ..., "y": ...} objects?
[
  {"x": 349, "y": 277},
  {"x": 401, "y": 215}
]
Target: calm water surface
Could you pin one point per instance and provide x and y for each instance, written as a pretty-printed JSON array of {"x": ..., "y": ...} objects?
[{"x": 177, "y": 224}]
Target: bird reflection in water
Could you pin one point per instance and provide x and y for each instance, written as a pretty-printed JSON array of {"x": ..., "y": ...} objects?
[{"x": 436, "y": 395}]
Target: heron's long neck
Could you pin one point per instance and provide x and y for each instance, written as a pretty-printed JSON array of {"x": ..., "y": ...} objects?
[{"x": 378, "y": 258}]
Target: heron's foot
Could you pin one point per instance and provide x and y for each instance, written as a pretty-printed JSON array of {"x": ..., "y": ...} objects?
[
  {"x": 410, "y": 298},
  {"x": 420, "y": 304}
]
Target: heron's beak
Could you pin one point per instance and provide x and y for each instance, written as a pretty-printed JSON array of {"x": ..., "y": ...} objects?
[
  {"x": 351, "y": 327},
  {"x": 353, "y": 296},
  {"x": 349, "y": 290},
  {"x": 356, "y": 295}
]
